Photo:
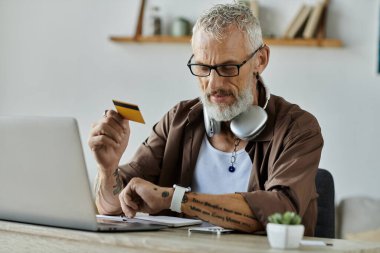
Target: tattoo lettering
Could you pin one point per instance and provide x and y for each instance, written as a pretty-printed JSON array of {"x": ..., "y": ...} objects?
[
  {"x": 207, "y": 209},
  {"x": 165, "y": 194},
  {"x": 249, "y": 216},
  {"x": 195, "y": 209},
  {"x": 197, "y": 201},
  {"x": 118, "y": 187},
  {"x": 229, "y": 219},
  {"x": 217, "y": 216},
  {"x": 213, "y": 206}
]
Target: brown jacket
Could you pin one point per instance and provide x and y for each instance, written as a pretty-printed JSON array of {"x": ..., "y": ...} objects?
[{"x": 285, "y": 158}]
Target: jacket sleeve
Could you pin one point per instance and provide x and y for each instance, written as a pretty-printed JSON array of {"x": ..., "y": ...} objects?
[{"x": 290, "y": 185}]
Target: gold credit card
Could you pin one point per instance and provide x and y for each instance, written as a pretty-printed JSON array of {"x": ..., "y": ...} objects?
[{"x": 129, "y": 111}]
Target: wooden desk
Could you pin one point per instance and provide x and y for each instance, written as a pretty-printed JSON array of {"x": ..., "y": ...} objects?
[{"x": 17, "y": 237}]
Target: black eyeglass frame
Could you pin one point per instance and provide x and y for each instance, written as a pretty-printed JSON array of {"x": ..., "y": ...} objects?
[{"x": 215, "y": 67}]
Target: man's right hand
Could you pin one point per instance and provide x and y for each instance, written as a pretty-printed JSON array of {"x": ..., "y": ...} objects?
[{"x": 108, "y": 140}]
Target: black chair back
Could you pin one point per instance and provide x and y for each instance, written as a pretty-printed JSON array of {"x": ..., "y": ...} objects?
[{"x": 326, "y": 205}]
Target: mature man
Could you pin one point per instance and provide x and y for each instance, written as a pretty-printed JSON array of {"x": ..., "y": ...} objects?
[{"x": 237, "y": 179}]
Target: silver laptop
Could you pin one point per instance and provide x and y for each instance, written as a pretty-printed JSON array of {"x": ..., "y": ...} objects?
[{"x": 43, "y": 176}]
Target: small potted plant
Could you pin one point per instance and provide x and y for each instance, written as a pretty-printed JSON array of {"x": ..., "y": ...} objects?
[{"x": 285, "y": 231}]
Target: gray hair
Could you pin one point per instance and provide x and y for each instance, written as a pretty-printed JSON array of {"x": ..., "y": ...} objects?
[{"x": 219, "y": 18}]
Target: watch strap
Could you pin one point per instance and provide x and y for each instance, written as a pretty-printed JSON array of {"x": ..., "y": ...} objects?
[{"x": 178, "y": 194}]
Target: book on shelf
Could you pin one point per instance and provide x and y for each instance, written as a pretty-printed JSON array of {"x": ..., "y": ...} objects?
[
  {"x": 313, "y": 21},
  {"x": 298, "y": 23},
  {"x": 321, "y": 30}
]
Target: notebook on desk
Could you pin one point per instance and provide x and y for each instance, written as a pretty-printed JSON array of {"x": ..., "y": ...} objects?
[{"x": 43, "y": 176}]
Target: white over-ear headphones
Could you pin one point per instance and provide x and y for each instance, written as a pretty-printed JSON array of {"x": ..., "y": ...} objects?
[{"x": 246, "y": 126}]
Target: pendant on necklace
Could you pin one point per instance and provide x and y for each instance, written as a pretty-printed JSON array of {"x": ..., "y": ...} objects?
[
  {"x": 233, "y": 156},
  {"x": 231, "y": 169}
]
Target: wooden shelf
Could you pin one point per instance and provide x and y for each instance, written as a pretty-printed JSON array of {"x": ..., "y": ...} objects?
[
  {"x": 304, "y": 42},
  {"x": 320, "y": 41},
  {"x": 152, "y": 39},
  {"x": 269, "y": 41}
]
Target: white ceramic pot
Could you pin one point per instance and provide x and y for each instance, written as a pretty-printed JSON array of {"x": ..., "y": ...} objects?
[
  {"x": 282, "y": 236},
  {"x": 180, "y": 27}
]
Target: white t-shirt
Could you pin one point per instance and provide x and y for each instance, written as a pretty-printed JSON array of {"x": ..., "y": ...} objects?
[{"x": 211, "y": 173}]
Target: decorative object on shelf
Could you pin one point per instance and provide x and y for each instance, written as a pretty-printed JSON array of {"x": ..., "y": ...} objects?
[
  {"x": 285, "y": 231},
  {"x": 180, "y": 27},
  {"x": 156, "y": 21}
]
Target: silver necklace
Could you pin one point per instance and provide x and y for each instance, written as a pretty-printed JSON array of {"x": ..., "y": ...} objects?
[{"x": 233, "y": 156}]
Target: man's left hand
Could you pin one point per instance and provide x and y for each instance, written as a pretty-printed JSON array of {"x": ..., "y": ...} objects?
[{"x": 142, "y": 196}]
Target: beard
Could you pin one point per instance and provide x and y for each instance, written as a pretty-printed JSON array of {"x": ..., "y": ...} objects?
[{"x": 244, "y": 99}]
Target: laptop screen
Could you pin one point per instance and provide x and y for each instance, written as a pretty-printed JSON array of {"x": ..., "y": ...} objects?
[{"x": 43, "y": 175}]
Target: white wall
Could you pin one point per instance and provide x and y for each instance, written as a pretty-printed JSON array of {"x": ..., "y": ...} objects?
[{"x": 56, "y": 59}]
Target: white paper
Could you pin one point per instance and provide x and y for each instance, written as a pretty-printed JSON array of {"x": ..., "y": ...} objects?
[
  {"x": 314, "y": 243},
  {"x": 165, "y": 220}
]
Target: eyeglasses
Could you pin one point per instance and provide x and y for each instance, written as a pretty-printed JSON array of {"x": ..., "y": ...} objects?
[{"x": 225, "y": 70}]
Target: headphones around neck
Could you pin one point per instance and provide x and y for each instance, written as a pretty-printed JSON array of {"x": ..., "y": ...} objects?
[{"x": 246, "y": 126}]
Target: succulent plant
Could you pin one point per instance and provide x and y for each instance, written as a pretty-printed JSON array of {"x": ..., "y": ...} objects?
[{"x": 288, "y": 218}]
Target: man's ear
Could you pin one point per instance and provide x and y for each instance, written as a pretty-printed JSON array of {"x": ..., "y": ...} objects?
[{"x": 262, "y": 59}]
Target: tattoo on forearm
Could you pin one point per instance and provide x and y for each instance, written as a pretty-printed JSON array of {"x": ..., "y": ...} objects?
[
  {"x": 197, "y": 201},
  {"x": 213, "y": 206},
  {"x": 198, "y": 205},
  {"x": 218, "y": 216},
  {"x": 118, "y": 187},
  {"x": 229, "y": 219},
  {"x": 196, "y": 209},
  {"x": 249, "y": 216},
  {"x": 165, "y": 194}
]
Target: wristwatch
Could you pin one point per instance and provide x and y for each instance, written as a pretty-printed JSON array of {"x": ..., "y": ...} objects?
[{"x": 178, "y": 194}]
